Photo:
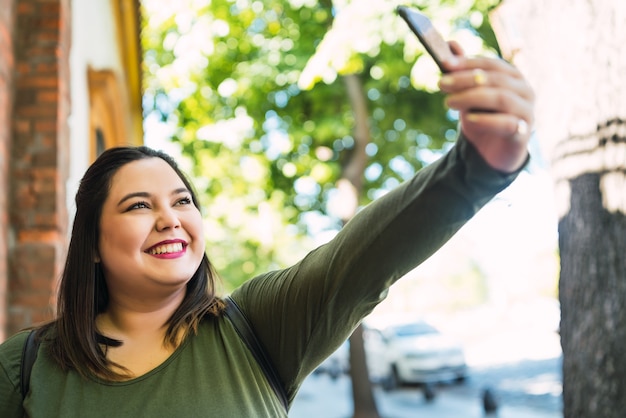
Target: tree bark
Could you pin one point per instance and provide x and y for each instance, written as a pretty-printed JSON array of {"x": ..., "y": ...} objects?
[
  {"x": 352, "y": 183},
  {"x": 571, "y": 52},
  {"x": 362, "y": 392}
]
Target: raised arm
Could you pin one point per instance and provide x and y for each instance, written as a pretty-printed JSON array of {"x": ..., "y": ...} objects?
[{"x": 302, "y": 313}]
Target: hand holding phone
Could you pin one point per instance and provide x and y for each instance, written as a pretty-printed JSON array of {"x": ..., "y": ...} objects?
[{"x": 430, "y": 37}]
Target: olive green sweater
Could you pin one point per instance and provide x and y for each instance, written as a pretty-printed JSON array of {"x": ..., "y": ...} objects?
[{"x": 300, "y": 314}]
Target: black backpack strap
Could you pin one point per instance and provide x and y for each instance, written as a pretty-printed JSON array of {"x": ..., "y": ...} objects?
[
  {"x": 243, "y": 328},
  {"x": 29, "y": 355}
]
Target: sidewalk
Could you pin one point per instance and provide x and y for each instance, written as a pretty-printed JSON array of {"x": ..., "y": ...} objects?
[{"x": 322, "y": 397}]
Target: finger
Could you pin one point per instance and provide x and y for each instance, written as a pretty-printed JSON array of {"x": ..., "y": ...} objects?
[
  {"x": 496, "y": 125},
  {"x": 456, "y": 48},
  {"x": 467, "y": 79},
  {"x": 488, "y": 64},
  {"x": 491, "y": 100}
]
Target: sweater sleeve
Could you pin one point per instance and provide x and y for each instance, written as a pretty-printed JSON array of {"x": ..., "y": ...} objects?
[{"x": 303, "y": 313}]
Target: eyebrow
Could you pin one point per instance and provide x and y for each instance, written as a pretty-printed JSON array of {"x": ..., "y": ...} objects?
[{"x": 147, "y": 195}]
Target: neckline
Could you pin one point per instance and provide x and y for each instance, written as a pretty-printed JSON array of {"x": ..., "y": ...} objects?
[{"x": 149, "y": 373}]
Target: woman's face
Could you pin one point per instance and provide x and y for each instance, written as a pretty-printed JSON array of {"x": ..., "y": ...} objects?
[{"x": 151, "y": 237}]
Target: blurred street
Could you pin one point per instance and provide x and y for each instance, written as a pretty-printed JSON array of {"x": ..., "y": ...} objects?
[
  {"x": 321, "y": 396},
  {"x": 527, "y": 384}
]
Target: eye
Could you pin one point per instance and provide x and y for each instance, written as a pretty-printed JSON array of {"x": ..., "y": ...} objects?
[
  {"x": 138, "y": 205},
  {"x": 184, "y": 201}
]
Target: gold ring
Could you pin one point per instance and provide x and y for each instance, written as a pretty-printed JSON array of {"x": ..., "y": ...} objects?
[
  {"x": 480, "y": 77},
  {"x": 522, "y": 127}
]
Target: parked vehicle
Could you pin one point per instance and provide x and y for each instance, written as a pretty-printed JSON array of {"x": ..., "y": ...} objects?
[
  {"x": 413, "y": 353},
  {"x": 402, "y": 354}
]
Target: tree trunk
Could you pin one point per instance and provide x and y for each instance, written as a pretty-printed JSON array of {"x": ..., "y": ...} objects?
[
  {"x": 362, "y": 393},
  {"x": 351, "y": 184},
  {"x": 571, "y": 51}
]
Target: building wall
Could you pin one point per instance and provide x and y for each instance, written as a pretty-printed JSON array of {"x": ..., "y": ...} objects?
[
  {"x": 6, "y": 106},
  {"x": 39, "y": 159}
]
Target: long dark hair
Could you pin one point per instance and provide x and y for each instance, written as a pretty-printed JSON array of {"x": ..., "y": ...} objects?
[{"x": 74, "y": 341}]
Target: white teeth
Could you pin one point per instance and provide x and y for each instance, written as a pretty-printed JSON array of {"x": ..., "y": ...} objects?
[{"x": 168, "y": 248}]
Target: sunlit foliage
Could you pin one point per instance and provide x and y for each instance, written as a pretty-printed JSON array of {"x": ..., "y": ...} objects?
[{"x": 251, "y": 91}]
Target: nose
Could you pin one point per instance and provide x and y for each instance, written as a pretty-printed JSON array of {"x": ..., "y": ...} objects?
[{"x": 167, "y": 219}]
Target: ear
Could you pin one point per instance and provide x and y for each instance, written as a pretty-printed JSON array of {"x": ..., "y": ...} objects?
[{"x": 96, "y": 258}]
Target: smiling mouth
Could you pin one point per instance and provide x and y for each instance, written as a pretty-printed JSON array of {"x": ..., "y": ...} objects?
[{"x": 167, "y": 249}]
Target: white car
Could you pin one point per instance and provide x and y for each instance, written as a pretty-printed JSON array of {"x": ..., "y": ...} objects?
[{"x": 413, "y": 353}]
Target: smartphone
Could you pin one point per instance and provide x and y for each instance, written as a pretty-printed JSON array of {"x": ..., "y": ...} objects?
[{"x": 430, "y": 37}]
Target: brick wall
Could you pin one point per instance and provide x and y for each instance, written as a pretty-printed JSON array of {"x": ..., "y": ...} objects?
[
  {"x": 6, "y": 98},
  {"x": 39, "y": 159}
]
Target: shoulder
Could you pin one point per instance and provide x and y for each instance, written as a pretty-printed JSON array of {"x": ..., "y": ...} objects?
[
  {"x": 11, "y": 349},
  {"x": 11, "y": 358}
]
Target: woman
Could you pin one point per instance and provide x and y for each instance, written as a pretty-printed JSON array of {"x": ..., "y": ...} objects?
[{"x": 140, "y": 331}]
